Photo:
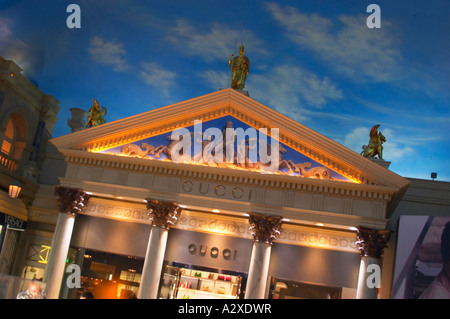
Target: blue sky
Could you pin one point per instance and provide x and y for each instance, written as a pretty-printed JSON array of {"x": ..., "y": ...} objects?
[{"x": 314, "y": 61}]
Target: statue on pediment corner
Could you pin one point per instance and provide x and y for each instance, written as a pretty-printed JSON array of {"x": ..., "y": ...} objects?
[
  {"x": 96, "y": 115},
  {"x": 375, "y": 144}
]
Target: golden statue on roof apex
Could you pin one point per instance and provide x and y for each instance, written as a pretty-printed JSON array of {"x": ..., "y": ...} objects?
[
  {"x": 240, "y": 67},
  {"x": 375, "y": 144},
  {"x": 96, "y": 115}
]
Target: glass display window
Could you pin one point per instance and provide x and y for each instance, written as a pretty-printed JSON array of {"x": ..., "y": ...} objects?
[{"x": 191, "y": 282}]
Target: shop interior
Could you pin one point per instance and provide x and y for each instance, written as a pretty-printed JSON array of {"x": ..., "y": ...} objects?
[
  {"x": 112, "y": 276},
  {"x": 181, "y": 281}
]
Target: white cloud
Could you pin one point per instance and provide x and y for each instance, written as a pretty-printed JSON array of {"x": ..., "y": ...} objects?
[
  {"x": 216, "y": 80},
  {"x": 156, "y": 76},
  {"x": 347, "y": 45},
  {"x": 29, "y": 58},
  {"x": 109, "y": 53},
  {"x": 291, "y": 89},
  {"x": 215, "y": 43},
  {"x": 5, "y": 31},
  {"x": 356, "y": 139},
  {"x": 114, "y": 54},
  {"x": 395, "y": 150}
]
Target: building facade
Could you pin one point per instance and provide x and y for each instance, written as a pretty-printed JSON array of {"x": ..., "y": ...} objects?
[
  {"x": 27, "y": 117},
  {"x": 306, "y": 219},
  {"x": 141, "y": 217}
]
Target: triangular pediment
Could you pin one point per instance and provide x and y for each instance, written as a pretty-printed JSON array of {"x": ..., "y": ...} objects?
[{"x": 308, "y": 154}]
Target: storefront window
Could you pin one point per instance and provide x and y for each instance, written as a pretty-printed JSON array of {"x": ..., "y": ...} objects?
[
  {"x": 194, "y": 282},
  {"x": 112, "y": 276},
  {"x": 285, "y": 289}
]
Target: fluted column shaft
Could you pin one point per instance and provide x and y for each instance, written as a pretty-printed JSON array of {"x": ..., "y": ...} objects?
[
  {"x": 70, "y": 202},
  {"x": 163, "y": 215},
  {"x": 264, "y": 230}
]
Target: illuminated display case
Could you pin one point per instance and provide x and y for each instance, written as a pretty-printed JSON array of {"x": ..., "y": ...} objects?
[{"x": 184, "y": 283}]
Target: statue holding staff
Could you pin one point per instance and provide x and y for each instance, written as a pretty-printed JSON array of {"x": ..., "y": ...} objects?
[{"x": 240, "y": 67}]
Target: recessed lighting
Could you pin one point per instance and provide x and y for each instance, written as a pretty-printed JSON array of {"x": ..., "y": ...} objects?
[
  {"x": 216, "y": 211},
  {"x": 286, "y": 220},
  {"x": 246, "y": 215},
  {"x": 353, "y": 228},
  {"x": 118, "y": 197},
  {"x": 182, "y": 206}
]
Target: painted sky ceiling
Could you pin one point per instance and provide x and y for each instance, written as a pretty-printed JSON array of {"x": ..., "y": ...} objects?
[{"x": 291, "y": 162}]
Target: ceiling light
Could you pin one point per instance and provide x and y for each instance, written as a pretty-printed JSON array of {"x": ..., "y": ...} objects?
[{"x": 216, "y": 211}]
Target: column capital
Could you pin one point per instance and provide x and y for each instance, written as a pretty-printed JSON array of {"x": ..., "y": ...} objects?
[
  {"x": 372, "y": 242},
  {"x": 70, "y": 200},
  {"x": 264, "y": 228},
  {"x": 163, "y": 214}
]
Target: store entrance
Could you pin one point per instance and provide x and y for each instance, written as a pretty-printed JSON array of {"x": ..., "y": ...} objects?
[
  {"x": 110, "y": 276},
  {"x": 182, "y": 281}
]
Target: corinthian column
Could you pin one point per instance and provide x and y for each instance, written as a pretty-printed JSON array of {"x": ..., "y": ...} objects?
[
  {"x": 70, "y": 202},
  {"x": 163, "y": 215},
  {"x": 371, "y": 244},
  {"x": 264, "y": 230}
]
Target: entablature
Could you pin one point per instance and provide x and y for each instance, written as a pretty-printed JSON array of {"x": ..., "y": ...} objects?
[{"x": 98, "y": 162}]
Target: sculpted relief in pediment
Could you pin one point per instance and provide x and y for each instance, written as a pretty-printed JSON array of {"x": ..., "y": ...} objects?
[{"x": 227, "y": 142}]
